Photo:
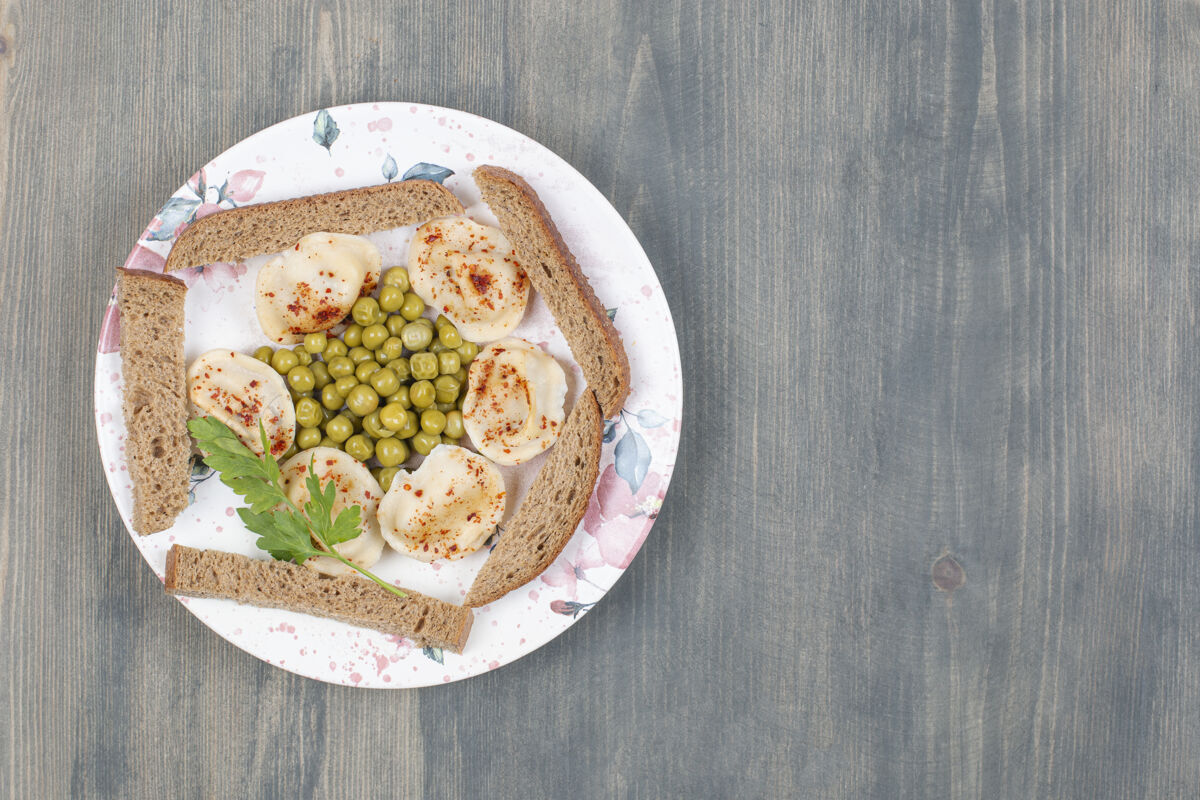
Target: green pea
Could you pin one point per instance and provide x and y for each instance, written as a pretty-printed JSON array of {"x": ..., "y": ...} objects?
[
  {"x": 365, "y": 370},
  {"x": 360, "y": 447},
  {"x": 393, "y": 347},
  {"x": 345, "y": 385},
  {"x": 335, "y": 348},
  {"x": 454, "y": 424},
  {"x": 303, "y": 356},
  {"x": 355, "y": 419},
  {"x": 411, "y": 426},
  {"x": 398, "y": 277},
  {"x": 445, "y": 408},
  {"x": 446, "y": 388},
  {"x": 462, "y": 398},
  {"x": 438, "y": 347},
  {"x": 352, "y": 336},
  {"x": 308, "y": 413},
  {"x": 301, "y": 378},
  {"x": 390, "y": 452},
  {"x": 426, "y": 321},
  {"x": 309, "y": 437},
  {"x": 374, "y": 427},
  {"x": 449, "y": 440},
  {"x": 467, "y": 352},
  {"x": 424, "y": 442},
  {"x": 422, "y": 394},
  {"x": 340, "y": 367},
  {"x": 295, "y": 395},
  {"x": 461, "y": 376},
  {"x": 329, "y": 413},
  {"x": 358, "y": 354},
  {"x": 291, "y": 451},
  {"x": 386, "y": 475},
  {"x": 362, "y": 400},
  {"x": 448, "y": 362},
  {"x": 320, "y": 373},
  {"x": 412, "y": 307},
  {"x": 415, "y": 337},
  {"x": 395, "y": 323},
  {"x": 331, "y": 398},
  {"x": 264, "y": 354},
  {"x": 373, "y": 336},
  {"x": 340, "y": 428},
  {"x": 433, "y": 421},
  {"x": 402, "y": 367},
  {"x": 391, "y": 417},
  {"x": 442, "y": 321},
  {"x": 401, "y": 396},
  {"x": 449, "y": 336},
  {"x": 364, "y": 310},
  {"x": 391, "y": 298},
  {"x": 315, "y": 342},
  {"x": 424, "y": 366},
  {"x": 327, "y": 442},
  {"x": 284, "y": 360},
  {"x": 385, "y": 382}
]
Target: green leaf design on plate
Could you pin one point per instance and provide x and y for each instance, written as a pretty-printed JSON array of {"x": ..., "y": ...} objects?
[
  {"x": 389, "y": 169},
  {"x": 325, "y": 130}
]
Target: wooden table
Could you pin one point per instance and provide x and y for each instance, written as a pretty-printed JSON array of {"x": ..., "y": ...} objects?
[{"x": 934, "y": 529}]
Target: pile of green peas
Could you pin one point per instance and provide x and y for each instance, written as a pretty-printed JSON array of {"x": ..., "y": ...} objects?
[{"x": 393, "y": 383}]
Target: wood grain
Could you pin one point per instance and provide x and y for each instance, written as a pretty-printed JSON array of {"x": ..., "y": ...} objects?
[{"x": 934, "y": 528}]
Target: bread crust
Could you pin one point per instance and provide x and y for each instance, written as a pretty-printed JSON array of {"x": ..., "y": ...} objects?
[
  {"x": 490, "y": 177},
  {"x": 547, "y": 519},
  {"x": 267, "y": 583},
  {"x": 154, "y": 405},
  {"x": 238, "y": 233},
  {"x": 153, "y": 276}
]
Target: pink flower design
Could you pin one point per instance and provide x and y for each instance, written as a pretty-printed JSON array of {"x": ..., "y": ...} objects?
[
  {"x": 614, "y": 515},
  {"x": 565, "y": 573},
  {"x": 197, "y": 183},
  {"x": 244, "y": 184},
  {"x": 143, "y": 257},
  {"x": 110, "y": 331},
  {"x": 205, "y": 209},
  {"x": 215, "y": 275}
]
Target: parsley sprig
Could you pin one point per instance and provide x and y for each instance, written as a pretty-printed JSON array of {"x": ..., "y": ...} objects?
[{"x": 284, "y": 530}]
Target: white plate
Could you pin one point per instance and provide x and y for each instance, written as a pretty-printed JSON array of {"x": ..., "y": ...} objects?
[{"x": 366, "y": 144}]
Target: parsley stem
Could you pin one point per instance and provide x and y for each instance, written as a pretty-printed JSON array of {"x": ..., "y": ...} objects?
[
  {"x": 334, "y": 554},
  {"x": 332, "y": 551}
]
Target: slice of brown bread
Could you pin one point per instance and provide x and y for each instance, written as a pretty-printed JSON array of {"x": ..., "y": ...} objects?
[
  {"x": 157, "y": 445},
  {"x": 554, "y": 272},
  {"x": 239, "y": 233},
  {"x": 426, "y": 621},
  {"x": 547, "y": 518}
]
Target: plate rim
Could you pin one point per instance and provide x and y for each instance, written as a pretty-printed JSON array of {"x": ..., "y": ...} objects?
[{"x": 578, "y": 182}]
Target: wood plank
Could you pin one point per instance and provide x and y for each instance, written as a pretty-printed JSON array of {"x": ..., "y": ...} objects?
[{"x": 933, "y": 530}]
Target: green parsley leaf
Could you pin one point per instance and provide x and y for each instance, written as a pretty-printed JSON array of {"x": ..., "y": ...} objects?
[
  {"x": 345, "y": 527},
  {"x": 284, "y": 531}
]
